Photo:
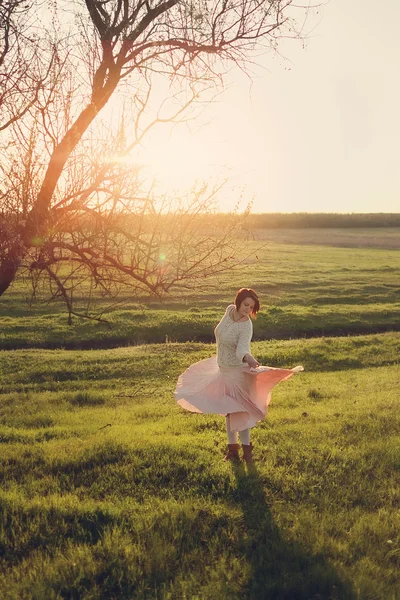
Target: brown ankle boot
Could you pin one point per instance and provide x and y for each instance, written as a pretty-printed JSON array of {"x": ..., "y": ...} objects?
[
  {"x": 233, "y": 452},
  {"x": 247, "y": 452}
]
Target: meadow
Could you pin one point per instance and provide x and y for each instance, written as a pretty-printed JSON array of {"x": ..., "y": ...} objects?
[
  {"x": 308, "y": 288},
  {"x": 110, "y": 490}
]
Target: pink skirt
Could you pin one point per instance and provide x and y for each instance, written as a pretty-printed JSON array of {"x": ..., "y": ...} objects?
[{"x": 241, "y": 392}]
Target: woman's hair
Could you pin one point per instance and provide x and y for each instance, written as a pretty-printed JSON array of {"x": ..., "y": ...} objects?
[{"x": 247, "y": 293}]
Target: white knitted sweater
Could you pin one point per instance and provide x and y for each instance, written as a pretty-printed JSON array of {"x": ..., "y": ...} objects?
[{"x": 233, "y": 340}]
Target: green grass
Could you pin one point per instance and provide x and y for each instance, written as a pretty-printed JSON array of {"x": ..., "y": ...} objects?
[
  {"x": 306, "y": 290},
  {"x": 110, "y": 490}
]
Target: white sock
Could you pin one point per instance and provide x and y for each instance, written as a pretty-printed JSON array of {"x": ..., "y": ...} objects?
[
  {"x": 232, "y": 435},
  {"x": 245, "y": 437}
]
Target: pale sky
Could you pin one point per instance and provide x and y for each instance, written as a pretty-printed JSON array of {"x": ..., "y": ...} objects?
[{"x": 317, "y": 132}]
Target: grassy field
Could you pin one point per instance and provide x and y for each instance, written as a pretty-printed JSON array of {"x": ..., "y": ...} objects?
[
  {"x": 306, "y": 290},
  {"x": 109, "y": 490},
  {"x": 376, "y": 237}
]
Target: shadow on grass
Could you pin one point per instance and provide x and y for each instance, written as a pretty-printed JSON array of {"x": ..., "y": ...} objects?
[{"x": 282, "y": 569}]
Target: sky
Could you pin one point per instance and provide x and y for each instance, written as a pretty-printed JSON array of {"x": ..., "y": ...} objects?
[{"x": 317, "y": 129}]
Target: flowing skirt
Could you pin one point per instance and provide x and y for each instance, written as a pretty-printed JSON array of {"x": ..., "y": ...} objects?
[{"x": 241, "y": 392}]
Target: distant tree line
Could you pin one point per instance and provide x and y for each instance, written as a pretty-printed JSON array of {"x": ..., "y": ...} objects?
[{"x": 328, "y": 220}]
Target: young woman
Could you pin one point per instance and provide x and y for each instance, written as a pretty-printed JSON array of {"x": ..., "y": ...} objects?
[{"x": 232, "y": 383}]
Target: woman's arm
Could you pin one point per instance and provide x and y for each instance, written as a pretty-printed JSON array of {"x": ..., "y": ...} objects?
[{"x": 243, "y": 346}]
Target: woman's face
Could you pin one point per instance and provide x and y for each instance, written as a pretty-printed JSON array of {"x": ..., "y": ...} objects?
[{"x": 246, "y": 306}]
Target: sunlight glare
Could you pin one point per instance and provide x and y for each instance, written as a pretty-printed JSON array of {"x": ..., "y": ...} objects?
[{"x": 177, "y": 162}]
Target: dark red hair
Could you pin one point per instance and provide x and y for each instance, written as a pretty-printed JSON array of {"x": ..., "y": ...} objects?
[{"x": 247, "y": 293}]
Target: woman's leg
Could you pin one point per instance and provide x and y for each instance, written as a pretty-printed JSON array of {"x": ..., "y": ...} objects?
[
  {"x": 233, "y": 446},
  {"x": 247, "y": 446},
  {"x": 232, "y": 435},
  {"x": 245, "y": 437}
]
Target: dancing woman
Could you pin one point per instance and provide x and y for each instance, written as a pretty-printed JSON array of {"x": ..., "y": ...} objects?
[{"x": 232, "y": 383}]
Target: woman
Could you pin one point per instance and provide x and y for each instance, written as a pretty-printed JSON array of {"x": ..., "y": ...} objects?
[{"x": 232, "y": 384}]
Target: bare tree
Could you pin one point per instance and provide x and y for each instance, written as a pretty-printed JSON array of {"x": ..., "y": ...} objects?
[
  {"x": 74, "y": 209},
  {"x": 21, "y": 66}
]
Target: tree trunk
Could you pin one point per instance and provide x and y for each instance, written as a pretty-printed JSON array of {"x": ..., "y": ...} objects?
[{"x": 9, "y": 266}]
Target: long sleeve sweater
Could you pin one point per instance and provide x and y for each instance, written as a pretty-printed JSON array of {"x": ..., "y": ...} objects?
[{"x": 233, "y": 339}]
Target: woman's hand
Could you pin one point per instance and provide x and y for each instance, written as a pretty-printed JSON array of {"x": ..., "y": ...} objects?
[{"x": 251, "y": 361}]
